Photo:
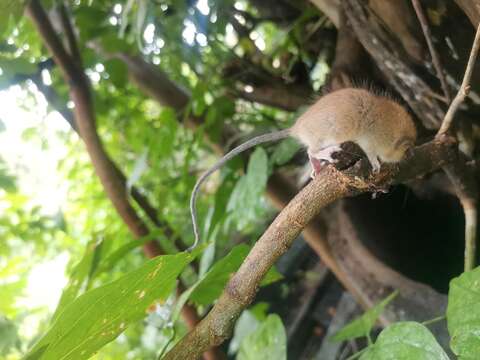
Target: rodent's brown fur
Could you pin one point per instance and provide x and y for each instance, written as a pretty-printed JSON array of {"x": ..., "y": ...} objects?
[{"x": 379, "y": 125}]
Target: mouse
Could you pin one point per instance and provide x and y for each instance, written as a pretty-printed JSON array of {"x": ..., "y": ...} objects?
[{"x": 380, "y": 126}]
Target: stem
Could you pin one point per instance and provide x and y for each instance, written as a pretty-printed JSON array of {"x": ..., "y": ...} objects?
[
  {"x": 357, "y": 354},
  {"x": 464, "y": 88},
  {"x": 434, "y": 320},
  {"x": 470, "y": 210},
  {"x": 428, "y": 37}
]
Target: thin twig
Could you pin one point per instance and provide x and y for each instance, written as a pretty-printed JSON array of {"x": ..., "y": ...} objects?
[
  {"x": 428, "y": 37},
  {"x": 111, "y": 177},
  {"x": 61, "y": 57},
  {"x": 464, "y": 88},
  {"x": 470, "y": 210},
  {"x": 241, "y": 289},
  {"x": 466, "y": 194},
  {"x": 434, "y": 320},
  {"x": 72, "y": 43},
  {"x": 466, "y": 189}
]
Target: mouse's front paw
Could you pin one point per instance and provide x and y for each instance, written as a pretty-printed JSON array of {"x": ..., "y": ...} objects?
[{"x": 376, "y": 166}]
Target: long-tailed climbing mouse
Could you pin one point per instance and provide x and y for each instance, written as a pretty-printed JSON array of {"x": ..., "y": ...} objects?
[{"x": 381, "y": 127}]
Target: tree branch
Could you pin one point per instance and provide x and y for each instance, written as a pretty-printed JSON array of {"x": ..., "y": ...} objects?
[
  {"x": 110, "y": 176},
  {"x": 428, "y": 37},
  {"x": 465, "y": 185},
  {"x": 279, "y": 189},
  {"x": 389, "y": 59},
  {"x": 464, "y": 88},
  {"x": 35, "y": 11},
  {"x": 70, "y": 34},
  {"x": 327, "y": 187}
]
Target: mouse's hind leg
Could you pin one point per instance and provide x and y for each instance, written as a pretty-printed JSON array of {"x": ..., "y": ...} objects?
[
  {"x": 318, "y": 158},
  {"x": 326, "y": 153}
]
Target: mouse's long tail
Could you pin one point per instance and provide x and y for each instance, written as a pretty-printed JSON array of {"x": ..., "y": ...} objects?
[{"x": 273, "y": 136}]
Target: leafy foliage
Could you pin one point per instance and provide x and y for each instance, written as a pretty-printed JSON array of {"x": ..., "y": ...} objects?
[
  {"x": 246, "y": 200},
  {"x": 364, "y": 324},
  {"x": 161, "y": 155},
  {"x": 405, "y": 340},
  {"x": 8, "y": 336},
  {"x": 247, "y": 323},
  {"x": 9, "y": 10},
  {"x": 463, "y": 316},
  {"x": 100, "y": 315},
  {"x": 268, "y": 341},
  {"x": 207, "y": 289}
]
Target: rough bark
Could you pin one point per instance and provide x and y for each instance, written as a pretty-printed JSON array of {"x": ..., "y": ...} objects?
[
  {"x": 472, "y": 9},
  {"x": 328, "y": 186},
  {"x": 85, "y": 120}
]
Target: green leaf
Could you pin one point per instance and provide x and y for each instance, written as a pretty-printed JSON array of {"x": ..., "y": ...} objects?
[
  {"x": 7, "y": 181},
  {"x": 10, "y": 8},
  {"x": 247, "y": 323},
  {"x": 80, "y": 277},
  {"x": 198, "y": 100},
  {"x": 272, "y": 276},
  {"x": 11, "y": 67},
  {"x": 257, "y": 171},
  {"x": 211, "y": 286},
  {"x": 285, "y": 151},
  {"x": 363, "y": 324},
  {"x": 109, "y": 262},
  {"x": 207, "y": 259},
  {"x": 405, "y": 340},
  {"x": 164, "y": 137},
  {"x": 118, "y": 72},
  {"x": 217, "y": 114},
  {"x": 112, "y": 44},
  {"x": 91, "y": 21},
  {"x": 208, "y": 289},
  {"x": 8, "y": 335},
  {"x": 247, "y": 196},
  {"x": 11, "y": 291},
  {"x": 268, "y": 341},
  {"x": 100, "y": 315},
  {"x": 463, "y": 314}
]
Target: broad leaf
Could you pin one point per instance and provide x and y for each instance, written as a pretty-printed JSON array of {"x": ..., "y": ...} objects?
[
  {"x": 208, "y": 289},
  {"x": 268, "y": 341},
  {"x": 11, "y": 67},
  {"x": 120, "y": 253},
  {"x": 8, "y": 335},
  {"x": 246, "y": 199},
  {"x": 80, "y": 276},
  {"x": 211, "y": 286},
  {"x": 405, "y": 340},
  {"x": 100, "y": 315},
  {"x": 247, "y": 323},
  {"x": 285, "y": 151},
  {"x": 362, "y": 325},
  {"x": 164, "y": 138},
  {"x": 118, "y": 72},
  {"x": 10, "y": 8},
  {"x": 463, "y": 314}
]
